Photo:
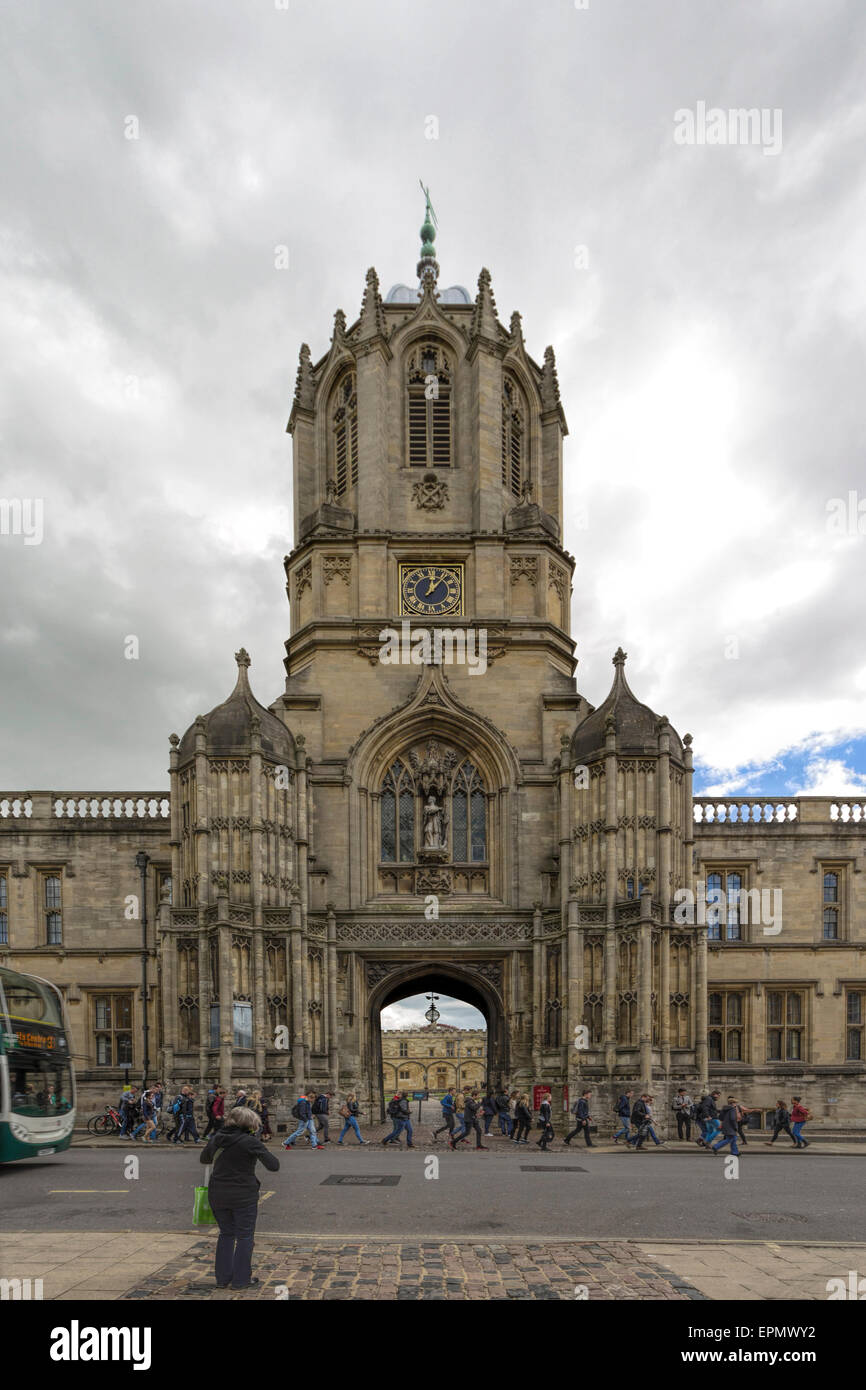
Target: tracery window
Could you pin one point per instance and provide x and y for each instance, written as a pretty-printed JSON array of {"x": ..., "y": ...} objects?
[
  {"x": 429, "y": 407},
  {"x": 397, "y": 815},
  {"x": 344, "y": 426},
  {"x": 465, "y": 813},
  {"x": 513, "y": 436}
]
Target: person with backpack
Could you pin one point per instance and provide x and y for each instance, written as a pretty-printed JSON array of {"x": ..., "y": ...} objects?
[
  {"x": 233, "y": 1192},
  {"x": 545, "y": 1124},
  {"x": 394, "y": 1113},
  {"x": 402, "y": 1120},
  {"x": 127, "y": 1108},
  {"x": 781, "y": 1124},
  {"x": 350, "y": 1111},
  {"x": 709, "y": 1119},
  {"x": 583, "y": 1119},
  {"x": 470, "y": 1122},
  {"x": 640, "y": 1122},
  {"x": 799, "y": 1116},
  {"x": 302, "y": 1111},
  {"x": 174, "y": 1111},
  {"x": 623, "y": 1111},
  {"x": 728, "y": 1123},
  {"x": 178, "y": 1107},
  {"x": 682, "y": 1108},
  {"x": 522, "y": 1120},
  {"x": 321, "y": 1108},
  {"x": 488, "y": 1110},
  {"x": 447, "y": 1107},
  {"x": 503, "y": 1110}
]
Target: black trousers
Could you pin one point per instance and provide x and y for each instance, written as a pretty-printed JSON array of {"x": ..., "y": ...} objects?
[
  {"x": 470, "y": 1125},
  {"x": 581, "y": 1125},
  {"x": 522, "y": 1129},
  {"x": 684, "y": 1122},
  {"x": 448, "y": 1117},
  {"x": 778, "y": 1129}
]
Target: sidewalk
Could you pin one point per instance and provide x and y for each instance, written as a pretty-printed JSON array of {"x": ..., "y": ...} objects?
[
  {"x": 498, "y": 1145},
  {"x": 107, "y": 1266}
]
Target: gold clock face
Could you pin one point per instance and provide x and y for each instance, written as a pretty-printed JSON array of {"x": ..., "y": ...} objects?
[{"x": 431, "y": 591}]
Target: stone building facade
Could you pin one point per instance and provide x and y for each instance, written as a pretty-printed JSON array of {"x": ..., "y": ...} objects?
[
  {"x": 431, "y": 803},
  {"x": 433, "y": 1057}
]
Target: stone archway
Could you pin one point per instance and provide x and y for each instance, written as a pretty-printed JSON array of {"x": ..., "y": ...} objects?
[{"x": 398, "y": 980}]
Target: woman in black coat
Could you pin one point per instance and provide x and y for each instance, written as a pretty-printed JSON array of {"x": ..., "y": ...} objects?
[{"x": 233, "y": 1192}]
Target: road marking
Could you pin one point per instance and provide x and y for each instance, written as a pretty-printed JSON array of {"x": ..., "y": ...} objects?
[
  {"x": 80, "y": 1191},
  {"x": 265, "y": 1195}
]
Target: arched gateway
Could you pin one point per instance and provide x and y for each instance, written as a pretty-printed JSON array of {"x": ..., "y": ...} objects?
[{"x": 476, "y": 983}]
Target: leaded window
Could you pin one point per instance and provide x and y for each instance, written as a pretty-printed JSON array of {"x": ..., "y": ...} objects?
[
  {"x": 831, "y": 907},
  {"x": 468, "y": 816},
  {"x": 397, "y": 815},
  {"x": 726, "y": 1020},
  {"x": 785, "y": 1026},
  {"x": 724, "y": 891}
]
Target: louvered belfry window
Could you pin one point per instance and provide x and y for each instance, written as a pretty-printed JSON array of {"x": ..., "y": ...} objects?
[
  {"x": 345, "y": 427},
  {"x": 429, "y": 408},
  {"x": 513, "y": 416}
]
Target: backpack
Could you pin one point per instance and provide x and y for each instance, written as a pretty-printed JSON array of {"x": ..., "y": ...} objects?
[
  {"x": 175, "y": 1109},
  {"x": 393, "y": 1108},
  {"x": 296, "y": 1114}
]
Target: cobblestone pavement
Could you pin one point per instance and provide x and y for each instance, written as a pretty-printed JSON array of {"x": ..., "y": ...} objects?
[{"x": 316, "y": 1269}]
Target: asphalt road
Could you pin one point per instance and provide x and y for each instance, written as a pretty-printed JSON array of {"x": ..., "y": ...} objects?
[{"x": 794, "y": 1197}]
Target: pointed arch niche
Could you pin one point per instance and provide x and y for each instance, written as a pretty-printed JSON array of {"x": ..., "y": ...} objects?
[{"x": 466, "y": 853}]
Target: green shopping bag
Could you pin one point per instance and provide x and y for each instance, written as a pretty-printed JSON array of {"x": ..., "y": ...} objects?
[{"x": 202, "y": 1214}]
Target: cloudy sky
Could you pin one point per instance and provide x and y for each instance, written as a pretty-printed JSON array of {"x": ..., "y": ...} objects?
[{"x": 706, "y": 303}]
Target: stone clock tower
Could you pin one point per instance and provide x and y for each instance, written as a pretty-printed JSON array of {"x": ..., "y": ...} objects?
[{"x": 430, "y": 679}]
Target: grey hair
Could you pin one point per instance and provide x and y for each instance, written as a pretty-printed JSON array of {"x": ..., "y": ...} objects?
[{"x": 244, "y": 1118}]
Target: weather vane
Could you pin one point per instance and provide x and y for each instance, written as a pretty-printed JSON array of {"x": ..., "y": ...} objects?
[
  {"x": 432, "y": 1013},
  {"x": 431, "y": 212}
]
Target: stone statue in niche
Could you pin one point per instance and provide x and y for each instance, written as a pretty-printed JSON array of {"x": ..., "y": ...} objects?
[{"x": 434, "y": 824}]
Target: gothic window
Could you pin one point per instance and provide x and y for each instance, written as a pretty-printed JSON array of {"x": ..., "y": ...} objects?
[
  {"x": 53, "y": 910},
  {"x": 726, "y": 1020},
  {"x": 397, "y": 815},
  {"x": 513, "y": 434},
  {"x": 785, "y": 1026},
  {"x": 429, "y": 407},
  {"x": 344, "y": 427},
  {"x": 4, "y": 909},
  {"x": 831, "y": 906},
  {"x": 724, "y": 893},
  {"x": 112, "y": 1029},
  {"x": 188, "y": 998},
  {"x": 856, "y": 1019},
  {"x": 468, "y": 817}
]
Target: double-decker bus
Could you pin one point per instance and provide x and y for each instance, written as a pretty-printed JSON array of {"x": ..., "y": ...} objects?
[{"x": 37, "y": 1085}]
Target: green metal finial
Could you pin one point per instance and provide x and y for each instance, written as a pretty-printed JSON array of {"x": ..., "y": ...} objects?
[{"x": 428, "y": 236}]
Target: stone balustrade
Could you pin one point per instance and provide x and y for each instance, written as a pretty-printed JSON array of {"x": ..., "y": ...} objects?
[{"x": 80, "y": 806}]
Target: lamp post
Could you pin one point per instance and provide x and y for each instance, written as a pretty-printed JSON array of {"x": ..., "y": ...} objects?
[{"x": 141, "y": 862}]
